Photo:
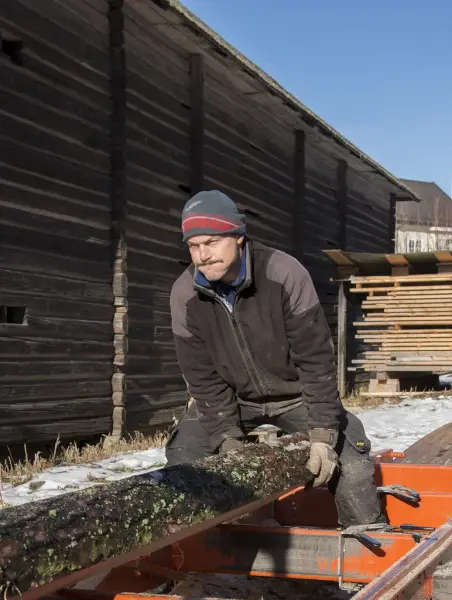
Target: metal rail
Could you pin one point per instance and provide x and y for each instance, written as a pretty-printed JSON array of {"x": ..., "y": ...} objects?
[
  {"x": 411, "y": 576},
  {"x": 293, "y": 553}
]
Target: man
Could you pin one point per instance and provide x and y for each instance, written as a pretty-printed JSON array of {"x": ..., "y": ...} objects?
[{"x": 254, "y": 347}]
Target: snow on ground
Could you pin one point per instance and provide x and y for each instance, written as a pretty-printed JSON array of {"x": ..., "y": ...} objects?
[
  {"x": 68, "y": 478},
  {"x": 397, "y": 426},
  {"x": 388, "y": 426}
]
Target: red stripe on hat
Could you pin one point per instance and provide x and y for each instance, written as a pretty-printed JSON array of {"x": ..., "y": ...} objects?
[{"x": 207, "y": 222}]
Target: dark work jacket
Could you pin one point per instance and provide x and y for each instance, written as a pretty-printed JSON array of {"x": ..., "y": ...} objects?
[{"x": 273, "y": 350}]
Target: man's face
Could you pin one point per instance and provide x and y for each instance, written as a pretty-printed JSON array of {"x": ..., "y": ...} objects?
[{"x": 216, "y": 256}]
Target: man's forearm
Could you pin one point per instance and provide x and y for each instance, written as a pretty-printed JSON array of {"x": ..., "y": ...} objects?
[
  {"x": 216, "y": 403},
  {"x": 314, "y": 356},
  {"x": 219, "y": 417}
]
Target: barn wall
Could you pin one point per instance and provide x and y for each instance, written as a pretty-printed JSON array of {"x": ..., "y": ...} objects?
[
  {"x": 251, "y": 154},
  {"x": 56, "y": 359},
  {"x": 195, "y": 122},
  {"x": 368, "y": 216},
  {"x": 113, "y": 117},
  {"x": 158, "y": 164}
]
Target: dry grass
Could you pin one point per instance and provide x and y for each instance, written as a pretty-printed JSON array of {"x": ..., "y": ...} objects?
[
  {"x": 356, "y": 400},
  {"x": 17, "y": 472}
]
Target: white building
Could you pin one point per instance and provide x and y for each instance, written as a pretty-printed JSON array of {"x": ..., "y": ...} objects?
[{"x": 425, "y": 226}]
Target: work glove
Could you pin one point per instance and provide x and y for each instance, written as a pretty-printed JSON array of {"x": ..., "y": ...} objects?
[
  {"x": 231, "y": 444},
  {"x": 322, "y": 458}
]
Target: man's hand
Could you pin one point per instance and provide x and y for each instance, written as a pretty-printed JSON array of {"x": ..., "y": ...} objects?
[
  {"x": 231, "y": 444},
  {"x": 322, "y": 459}
]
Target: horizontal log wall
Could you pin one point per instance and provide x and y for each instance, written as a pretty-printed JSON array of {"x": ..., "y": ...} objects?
[
  {"x": 198, "y": 123},
  {"x": 368, "y": 216},
  {"x": 55, "y": 273},
  {"x": 114, "y": 112},
  {"x": 158, "y": 163}
]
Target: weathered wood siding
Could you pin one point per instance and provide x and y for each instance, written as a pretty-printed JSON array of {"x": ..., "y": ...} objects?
[
  {"x": 198, "y": 122},
  {"x": 368, "y": 216},
  {"x": 113, "y": 112},
  {"x": 56, "y": 363},
  {"x": 158, "y": 164},
  {"x": 244, "y": 159}
]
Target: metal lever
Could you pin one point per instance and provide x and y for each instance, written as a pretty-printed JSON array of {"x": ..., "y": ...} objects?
[
  {"x": 366, "y": 539},
  {"x": 358, "y": 532},
  {"x": 411, "y": 527},
  {"x": 400, "y": 491}
]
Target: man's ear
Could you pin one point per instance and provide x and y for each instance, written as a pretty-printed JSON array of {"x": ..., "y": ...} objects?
[{"x": 240, "y": 240}]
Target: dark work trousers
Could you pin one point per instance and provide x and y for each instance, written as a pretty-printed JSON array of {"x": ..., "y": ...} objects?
[{"x": 353, "y": 484}]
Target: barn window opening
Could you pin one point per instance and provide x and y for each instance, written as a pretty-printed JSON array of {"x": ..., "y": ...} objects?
[
  {"x": 252, "y": 213},
  {"x": 13, "y": 315},
  {"x": 13, "y": 49}
]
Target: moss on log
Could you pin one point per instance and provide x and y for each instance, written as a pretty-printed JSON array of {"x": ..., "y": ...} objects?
[{"x": 43, "y": 540}]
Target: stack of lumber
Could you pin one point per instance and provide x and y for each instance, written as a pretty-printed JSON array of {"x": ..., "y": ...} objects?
[{"x": 407, "y": 322}]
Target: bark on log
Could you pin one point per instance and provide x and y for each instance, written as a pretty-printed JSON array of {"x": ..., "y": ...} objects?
[{"x": 43, "y": 540}]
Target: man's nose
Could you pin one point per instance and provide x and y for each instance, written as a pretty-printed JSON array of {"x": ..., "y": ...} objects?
[{"x": 204, "y": 253}]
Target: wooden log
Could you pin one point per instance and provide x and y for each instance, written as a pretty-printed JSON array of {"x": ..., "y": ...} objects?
[
  {"x": 442, "y": 582},
  {"x": 118, "y": 419},
  {"x": 56, "y": 410},
  {"x": 118, "y": 382},
  {"x": 44, "y": 540},
  {"x": 121, "y": 324},
  {"x": 120, "y": 284},
  {"x": 62, "y": 287},
  {"x": 37, "y": 372},
  {"x": 119, "y": 399},
  {"x": 119, "y": 360},
  {"x": 82, "y": 428},
  {"x": 433, "y": 449},
  {"x": 120, "y": 344}
]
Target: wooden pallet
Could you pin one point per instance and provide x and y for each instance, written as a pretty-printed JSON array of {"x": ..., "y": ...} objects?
[{"x": 406, "y": 324}]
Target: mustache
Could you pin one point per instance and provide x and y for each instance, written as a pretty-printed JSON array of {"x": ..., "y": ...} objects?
[{"x": 206, "y": 264}]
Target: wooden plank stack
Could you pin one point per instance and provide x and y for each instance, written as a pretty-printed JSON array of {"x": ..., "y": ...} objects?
[{"x": 407, "y": 322}]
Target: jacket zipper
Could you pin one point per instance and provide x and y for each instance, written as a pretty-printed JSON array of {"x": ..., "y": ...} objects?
[
  {"x": 237, "y": 331},
  {"x": 245, "y": 353},
  {"x": 257, "y": 383}
]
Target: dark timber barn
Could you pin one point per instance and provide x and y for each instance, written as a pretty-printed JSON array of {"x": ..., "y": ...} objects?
[{"x": 111, "y": 114}]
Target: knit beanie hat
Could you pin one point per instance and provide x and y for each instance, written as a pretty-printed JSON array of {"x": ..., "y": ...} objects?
[{"x": 211, "y": 213}]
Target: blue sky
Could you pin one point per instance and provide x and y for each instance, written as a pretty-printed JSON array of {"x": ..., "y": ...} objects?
[{"x": 379, "y": 71}]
